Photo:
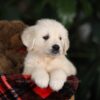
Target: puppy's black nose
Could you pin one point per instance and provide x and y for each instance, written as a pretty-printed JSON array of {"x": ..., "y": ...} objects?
[{"x": 55, "y": 47}]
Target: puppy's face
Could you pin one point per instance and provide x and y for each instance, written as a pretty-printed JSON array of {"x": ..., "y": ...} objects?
[{"x": 47, "y": 37}]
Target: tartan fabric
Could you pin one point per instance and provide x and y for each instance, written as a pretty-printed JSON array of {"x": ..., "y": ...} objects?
[{"x": 21, "y": 87}]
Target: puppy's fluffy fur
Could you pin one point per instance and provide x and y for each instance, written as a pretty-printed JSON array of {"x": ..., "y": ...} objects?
[{"x": 45, "y": 66}]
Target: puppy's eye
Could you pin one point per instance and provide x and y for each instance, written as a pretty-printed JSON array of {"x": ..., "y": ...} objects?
[
  {"x": 46, "y": 37},
  {"x": 60, "y": 38}
]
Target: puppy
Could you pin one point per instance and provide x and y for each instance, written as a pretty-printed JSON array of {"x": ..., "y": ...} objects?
[{"x": 47, "y": 43}]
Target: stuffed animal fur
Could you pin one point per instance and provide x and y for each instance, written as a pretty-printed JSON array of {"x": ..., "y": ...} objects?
[{"x": 11, "y": 60}]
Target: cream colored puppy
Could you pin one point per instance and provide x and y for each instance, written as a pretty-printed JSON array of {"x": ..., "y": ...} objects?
[{"x": 47, "y": 43}]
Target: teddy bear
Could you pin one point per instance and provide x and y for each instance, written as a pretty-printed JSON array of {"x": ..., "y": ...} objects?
[{"x": 11, "y": 46}]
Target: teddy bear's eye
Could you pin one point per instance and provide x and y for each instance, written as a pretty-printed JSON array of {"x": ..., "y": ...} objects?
[
  {"x": 46, "y": 37},
  {"x": 60, "y": 38}
]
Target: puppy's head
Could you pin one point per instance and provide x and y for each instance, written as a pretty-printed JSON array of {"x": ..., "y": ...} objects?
[{"x": 47, "y": 37}]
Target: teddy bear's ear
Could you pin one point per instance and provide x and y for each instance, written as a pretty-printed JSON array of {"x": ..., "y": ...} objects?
[
  {"x": 28, "y": 37},
  {"x": 66, "y": 44}
]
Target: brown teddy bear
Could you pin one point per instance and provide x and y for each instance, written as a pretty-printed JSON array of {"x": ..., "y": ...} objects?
[{"x": 12, "y": 50}]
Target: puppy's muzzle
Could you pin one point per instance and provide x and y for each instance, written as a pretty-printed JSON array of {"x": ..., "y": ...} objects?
[{"x": 55, "y": 49}]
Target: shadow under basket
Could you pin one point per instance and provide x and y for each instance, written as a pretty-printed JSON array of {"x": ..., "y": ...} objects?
[{"x": 21, "y": 87}]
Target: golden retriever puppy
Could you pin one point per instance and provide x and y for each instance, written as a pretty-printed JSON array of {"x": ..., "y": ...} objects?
[{"x": 47, "y": 43}]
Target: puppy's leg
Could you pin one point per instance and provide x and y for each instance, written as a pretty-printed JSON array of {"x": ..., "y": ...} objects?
[
  {"x": 27, "y": 70},
  {"x": 57, "y": 79},
  {"x": 41, "y": 77}
]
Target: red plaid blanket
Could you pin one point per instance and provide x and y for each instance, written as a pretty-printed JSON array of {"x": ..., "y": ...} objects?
[{"x": 21, "y": 87}]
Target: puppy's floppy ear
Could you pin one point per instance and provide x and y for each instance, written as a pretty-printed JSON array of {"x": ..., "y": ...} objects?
[
  {"x": 66, "y": 43},
  {"x": 28, "y": 37}
]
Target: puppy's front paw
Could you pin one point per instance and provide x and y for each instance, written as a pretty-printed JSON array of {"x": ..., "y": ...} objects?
[
  {"x": 42, "y": 81},
  {"x": 56, "y": 85},
  {"x": 41, "y": 78},
  {"x": 57, "y": 80}
]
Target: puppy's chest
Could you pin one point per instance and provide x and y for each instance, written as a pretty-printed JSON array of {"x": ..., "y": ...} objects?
[{"x": 49, "y": 64}]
